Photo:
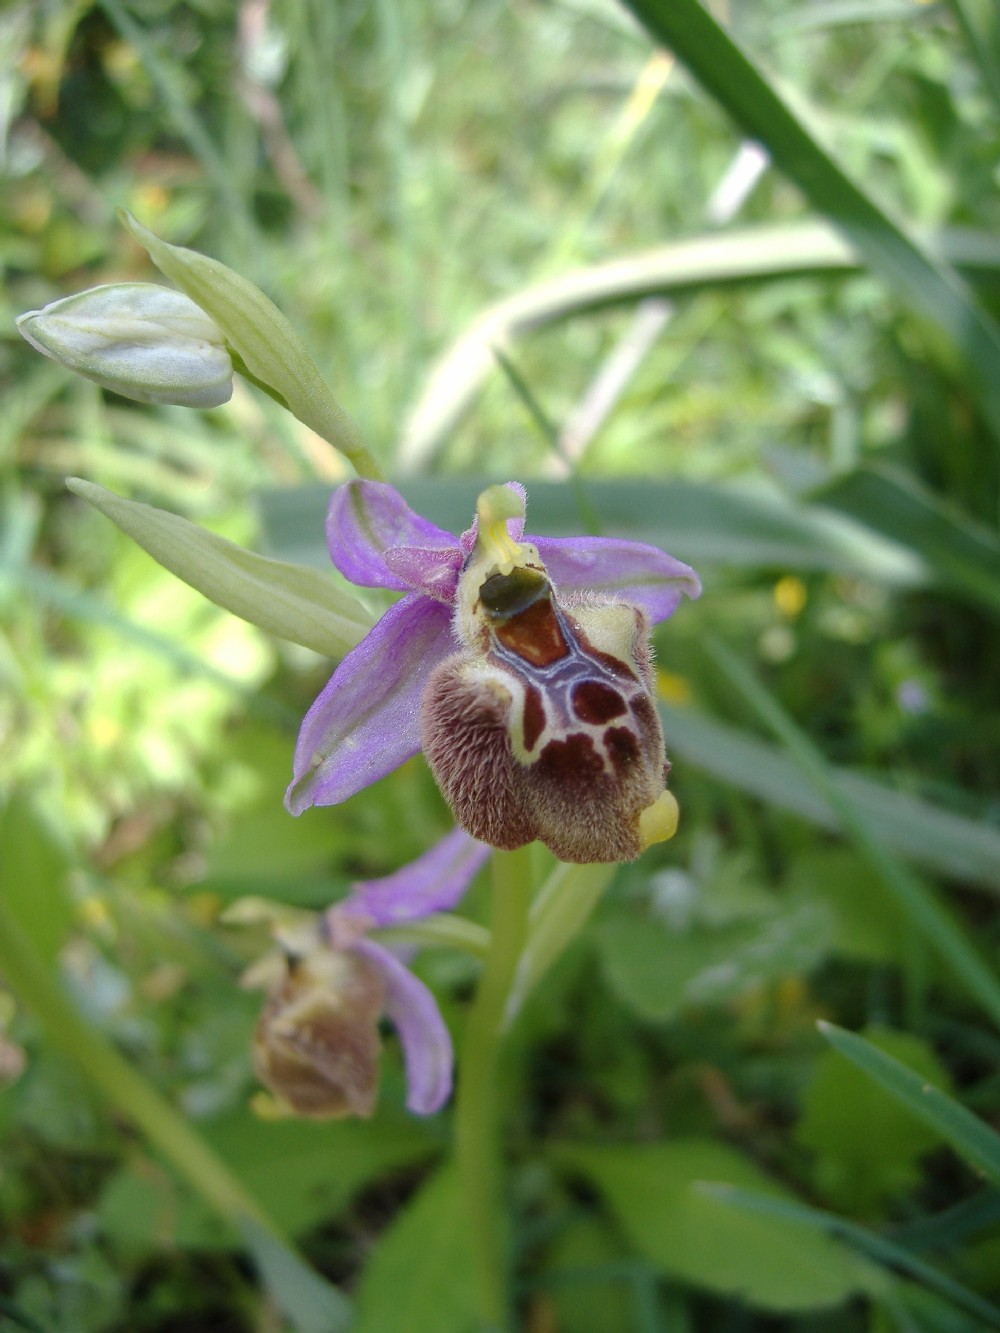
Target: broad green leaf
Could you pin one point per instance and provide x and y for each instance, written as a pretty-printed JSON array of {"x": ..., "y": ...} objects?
[
  {"x": 305, "y": 1171},
  {"x": 862, "y": 924},
  {"x": 293, "y": 602},
  {"x": 867, "y": 1147},
  {"x": 271, "y": 352},
  {"x": 653, "y": 1192},
  {"x": 969, "y": 1136},
  {"x": 18, "y": 1317},
  {"x": 302, "y": 1172},
  {"x": 906, "y": 265},
  {"x": 420, "y": 1274},
  {"x": 964, "y": 849},
  {"x": 173, "y": 1136},
  {"x": 959, "y": 554},
  {"x": 658, "y": 971}
]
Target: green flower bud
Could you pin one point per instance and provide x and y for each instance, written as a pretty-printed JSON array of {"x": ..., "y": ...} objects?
[{"x": 146, "y": 342}]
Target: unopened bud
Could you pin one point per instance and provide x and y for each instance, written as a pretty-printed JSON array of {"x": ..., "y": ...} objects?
[{"x": 141, "y": 340}]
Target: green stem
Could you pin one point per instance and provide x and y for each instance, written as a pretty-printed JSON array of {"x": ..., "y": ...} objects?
[
  {"x": 560, "y": 911},
  {"x": 477, "y": 1123}
]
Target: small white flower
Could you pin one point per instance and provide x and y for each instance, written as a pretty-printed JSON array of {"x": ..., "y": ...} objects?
[{"x": 144, "y": 341}]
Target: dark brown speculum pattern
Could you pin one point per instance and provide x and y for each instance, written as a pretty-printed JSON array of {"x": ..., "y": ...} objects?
[{"x": 540, "y": 730}]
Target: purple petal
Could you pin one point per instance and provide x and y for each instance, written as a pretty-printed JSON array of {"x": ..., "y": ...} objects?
[
  {"x": 433, "y": 572},
  {"x": 639, "y": 574},
  {"x": 366, "y": 721},
  {"x": 368, "y": 518},
  {"x": 426, "y": 1043},
  {"x": 434, "y": 882}
]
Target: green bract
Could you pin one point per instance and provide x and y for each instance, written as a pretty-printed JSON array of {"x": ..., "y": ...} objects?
[
  {"x": 291, "y": 601},
  {"x": 269, "y": 350}
]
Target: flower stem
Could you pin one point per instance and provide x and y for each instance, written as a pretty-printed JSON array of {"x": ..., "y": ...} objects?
[
  {"x": 477, "y": 1122},
  {"x": 560, "y": 911}
]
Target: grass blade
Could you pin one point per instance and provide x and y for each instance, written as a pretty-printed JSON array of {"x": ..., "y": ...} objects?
[
  {"x": 969, "y": 1136},
  {"x": 947, "y": 843},
  {"x": 868, "y": 1242},
  {"x": 907, "y": 266},
  {"x": 980, "y": 21},
  {"x": 734, "y": 258},
  {"x": 960, "y": 555}
]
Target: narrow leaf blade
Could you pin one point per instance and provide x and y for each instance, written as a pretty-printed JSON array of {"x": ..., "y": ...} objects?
[
  {"x": 969, "y": 1136},
  {"x": 925, "y": 284}
]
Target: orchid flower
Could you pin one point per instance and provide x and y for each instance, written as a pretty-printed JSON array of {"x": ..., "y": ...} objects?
[
  {"x": 317, "y": 1042},
  {"x": 521, "y": 666}
]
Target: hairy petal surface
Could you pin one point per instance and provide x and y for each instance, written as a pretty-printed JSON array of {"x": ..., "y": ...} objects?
[
  {"x": 434, "y": 882},
  {"x": 365, "y": 722},
  {"x": 434, "y": 572},
  {"x": 366, "y": 519},
  {"x": 426, "y": 1042},
  {"x": 639, "y": 574}
]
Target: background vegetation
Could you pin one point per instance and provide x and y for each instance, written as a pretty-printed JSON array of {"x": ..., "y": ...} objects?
[{"x": 523, "y": 241}]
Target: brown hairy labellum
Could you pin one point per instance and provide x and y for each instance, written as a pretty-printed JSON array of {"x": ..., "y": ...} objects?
[
  {"x": 317, "y": 1044},
  {"x": 544, "y": 725}
]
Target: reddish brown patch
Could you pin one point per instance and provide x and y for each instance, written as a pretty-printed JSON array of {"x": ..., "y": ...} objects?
[
  {"x": 597, "y": 703},
  {"x": 534, "y": 634},
  {"x": 645, "y": 714},
  {"x": 534, "y": 716},
  {"x": 572, "y": 763},
  {"x": 622, "y": 747}
]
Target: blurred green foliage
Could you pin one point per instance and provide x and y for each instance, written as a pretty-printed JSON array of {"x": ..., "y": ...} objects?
[{"x": 387, "y": 173}]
